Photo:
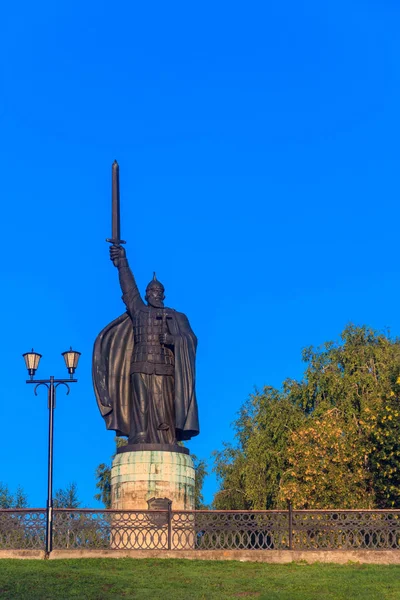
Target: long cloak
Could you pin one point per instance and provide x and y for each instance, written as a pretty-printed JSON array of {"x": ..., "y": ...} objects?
[{"x": 112, "y": 354}]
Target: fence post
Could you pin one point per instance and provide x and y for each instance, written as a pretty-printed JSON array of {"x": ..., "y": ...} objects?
[
  {"x": 290, "y": 525},
  {"x": 169, "y": 524}
]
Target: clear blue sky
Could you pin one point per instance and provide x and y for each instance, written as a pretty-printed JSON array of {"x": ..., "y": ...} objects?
[{"x": 259, "y": 151}]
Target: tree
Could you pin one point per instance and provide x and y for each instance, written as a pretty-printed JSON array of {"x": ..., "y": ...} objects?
[
  {"x": 230, "y": 466},
  {"x": 103, "y": 476},
  {"x": 10, "y": 500},
  {"x": 6, "y": 497},
  {"x": 383, "y": 430},
  {"x": 67, "y": 498},
  {"x": 200, "y": 468},
  {"x": 326, "y": 465},
  {"x": 20, "y": 498},
  {"x": 330, "y": 427},
  {"x": 250, "y": 472}
]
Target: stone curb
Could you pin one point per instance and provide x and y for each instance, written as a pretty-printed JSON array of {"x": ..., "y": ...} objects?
[
  {"x": 31, "y": 554},
  {"x": 382, "y": 557},
  {"x": 379, "y": 557}
]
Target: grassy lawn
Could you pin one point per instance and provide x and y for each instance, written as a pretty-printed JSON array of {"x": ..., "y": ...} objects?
[{"x": 103, "y": 579}]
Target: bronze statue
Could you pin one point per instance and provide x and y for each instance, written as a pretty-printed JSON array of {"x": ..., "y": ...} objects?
[{"x": 144, "y": 361}]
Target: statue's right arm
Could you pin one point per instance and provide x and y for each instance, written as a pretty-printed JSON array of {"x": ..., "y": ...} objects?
[{"x": 131, "y": 295}]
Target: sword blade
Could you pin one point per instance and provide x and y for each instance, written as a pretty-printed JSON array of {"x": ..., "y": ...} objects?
[{"x": 115, "y": 217}]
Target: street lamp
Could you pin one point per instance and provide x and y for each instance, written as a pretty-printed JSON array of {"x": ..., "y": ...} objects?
[{"x": 32, "y": 360}]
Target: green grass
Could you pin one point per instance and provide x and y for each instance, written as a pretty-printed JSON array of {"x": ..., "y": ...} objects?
[{"x": 103, "y": 579}]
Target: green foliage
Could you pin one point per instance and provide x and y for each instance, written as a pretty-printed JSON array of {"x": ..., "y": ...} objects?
[
  {"x": 20, "y": 498},
  {"x": 103, "y": 476},
  {"x": 250, "y": 473},
  {"x": 350, "y": 376},
  {"x": 383, "y": 429},
  {"x": 67, "y": 498},
  {"x": 326, "y": 469},
  {"x": 10, "y": 500},
  {"x": 328, "y": 440},
  {"x": 120, "y": 442},
  {"x": 200, "y": 468},
  {"x": 230, "y": 468},
  {"x": 6, "y": 498}
]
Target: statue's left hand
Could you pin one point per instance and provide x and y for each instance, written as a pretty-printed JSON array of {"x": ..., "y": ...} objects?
[{"x": 166, "y": 338}]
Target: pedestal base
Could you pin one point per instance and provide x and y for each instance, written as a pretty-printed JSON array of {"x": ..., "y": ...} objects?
[
  {"x": 136, "y": 477},
  {"x": 143, "y": 475}
]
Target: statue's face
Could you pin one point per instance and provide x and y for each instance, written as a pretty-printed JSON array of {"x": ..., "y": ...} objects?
[{"x": 155, "y": 297}]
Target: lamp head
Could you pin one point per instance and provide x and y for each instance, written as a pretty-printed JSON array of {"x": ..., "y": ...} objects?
[
  {"x": 32, "y": 360},
  {"x": 71, "y": 358}
]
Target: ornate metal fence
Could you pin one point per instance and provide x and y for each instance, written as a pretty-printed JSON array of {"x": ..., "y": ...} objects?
[
  {"x": 22, "y": 529},
  {"x": 346, "y": 529},
  {"x": 111, "y": 529},
  {"x": 203, "y": 530},
  {"x": 230, "y": 530}
]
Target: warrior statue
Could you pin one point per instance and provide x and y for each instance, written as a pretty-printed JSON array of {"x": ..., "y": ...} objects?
[{"x": 144, "y": 363}]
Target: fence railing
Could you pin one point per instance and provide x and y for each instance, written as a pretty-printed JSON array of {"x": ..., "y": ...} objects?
[
  {"x": 202, "y": 530},
  {"x": 22, "y": 528}
]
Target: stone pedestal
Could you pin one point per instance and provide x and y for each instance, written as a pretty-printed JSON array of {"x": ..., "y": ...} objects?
[{"x": 156, "y": 474}]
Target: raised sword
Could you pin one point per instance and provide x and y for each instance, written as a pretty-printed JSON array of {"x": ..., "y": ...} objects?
[{"x": 115, "y": 213}]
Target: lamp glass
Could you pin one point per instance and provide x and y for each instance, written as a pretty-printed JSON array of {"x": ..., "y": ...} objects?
[
  {"x": 32, "y": 360},
  {"x": 71, "y": 358}
]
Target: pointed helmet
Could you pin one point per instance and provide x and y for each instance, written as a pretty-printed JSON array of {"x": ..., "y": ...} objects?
[{"x": 154, "y": 283}]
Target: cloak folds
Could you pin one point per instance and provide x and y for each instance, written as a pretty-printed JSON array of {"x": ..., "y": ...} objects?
[{"x": 112, "y": 354}]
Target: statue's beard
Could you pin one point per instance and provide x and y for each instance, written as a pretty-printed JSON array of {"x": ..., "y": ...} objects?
[{"x": 156, "y": 302}]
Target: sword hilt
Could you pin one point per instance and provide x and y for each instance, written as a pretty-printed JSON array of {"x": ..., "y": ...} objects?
[{"x": 115, "y": 242}]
